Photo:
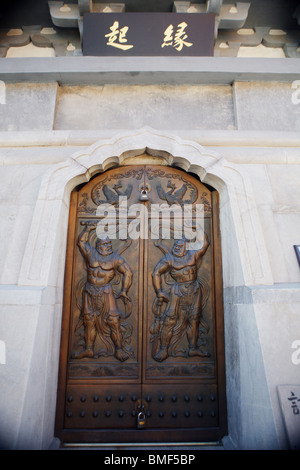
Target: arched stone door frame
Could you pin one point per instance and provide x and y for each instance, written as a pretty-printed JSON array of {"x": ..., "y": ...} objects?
[{"x": 244, "y": 257}]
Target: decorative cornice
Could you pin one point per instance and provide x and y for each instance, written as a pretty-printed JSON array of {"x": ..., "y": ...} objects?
[{"x": 66, "y": 35}]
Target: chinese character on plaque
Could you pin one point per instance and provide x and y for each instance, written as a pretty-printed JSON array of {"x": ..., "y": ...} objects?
[
  {"x": 177, "y": 41},
  {"x": 117, "y": 37}
]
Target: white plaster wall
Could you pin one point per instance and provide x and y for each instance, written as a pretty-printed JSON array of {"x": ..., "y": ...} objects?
[
  {"x": 30, "y": 328},
  {"x": 19, "y": 187},
  {"x": 277, "y": 196},
  {"x": 256, "y": 172},
  {"x": 251, "y": 418},
  {"x": 277, "y": 313}
]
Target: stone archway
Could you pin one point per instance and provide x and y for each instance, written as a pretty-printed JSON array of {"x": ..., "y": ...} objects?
[{"x": 233, "y": 186}]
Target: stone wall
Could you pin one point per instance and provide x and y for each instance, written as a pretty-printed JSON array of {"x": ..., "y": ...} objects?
[{"x": 243, "y": 139}]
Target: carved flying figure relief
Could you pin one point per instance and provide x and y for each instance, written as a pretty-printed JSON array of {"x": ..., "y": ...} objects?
[
  {"x": 112, "y": 194},
  {"x": 175, "y": 195}
]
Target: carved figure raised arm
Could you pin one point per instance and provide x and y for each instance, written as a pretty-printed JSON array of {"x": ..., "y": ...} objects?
[
  {"x": 83, "y": 238},
  {"x": 201, "y": 252}
]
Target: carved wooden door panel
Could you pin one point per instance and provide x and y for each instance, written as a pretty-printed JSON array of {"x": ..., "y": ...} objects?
[{"x": 142, "y": 351}]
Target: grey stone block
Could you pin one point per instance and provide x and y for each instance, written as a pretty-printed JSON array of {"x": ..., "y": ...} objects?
[
  {"x": 266, "y": 106},
  {"x": 28, "y": 107}
]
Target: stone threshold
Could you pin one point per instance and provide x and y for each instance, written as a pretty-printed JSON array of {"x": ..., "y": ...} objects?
[
  {"x": 151, "y": 446},
  {"x": 146, "y": 446}
]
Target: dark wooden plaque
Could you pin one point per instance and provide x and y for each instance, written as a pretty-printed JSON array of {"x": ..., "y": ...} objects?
[{"x": 148, "y": 34}]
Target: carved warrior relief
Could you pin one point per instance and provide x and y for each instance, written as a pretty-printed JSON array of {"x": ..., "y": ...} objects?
[
  {"x": 100, "y": 314},
  {"x": 179, "y": 295},
  {"x": 178, "y": 307}
]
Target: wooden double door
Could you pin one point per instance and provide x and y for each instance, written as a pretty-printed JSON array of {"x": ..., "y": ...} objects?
[{"x": 142, "y": 349}]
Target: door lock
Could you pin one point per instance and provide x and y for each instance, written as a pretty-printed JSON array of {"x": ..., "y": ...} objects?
[
  {"x": 141, "y": 420},
  {"x": 141, "y": 408},
  {"x": 144, "y": 191}
]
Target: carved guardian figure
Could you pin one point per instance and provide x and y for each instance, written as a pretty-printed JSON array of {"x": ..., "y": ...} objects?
[
  {"x": 177, "y": 309},
  {"x": 99, "y": 308}
]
